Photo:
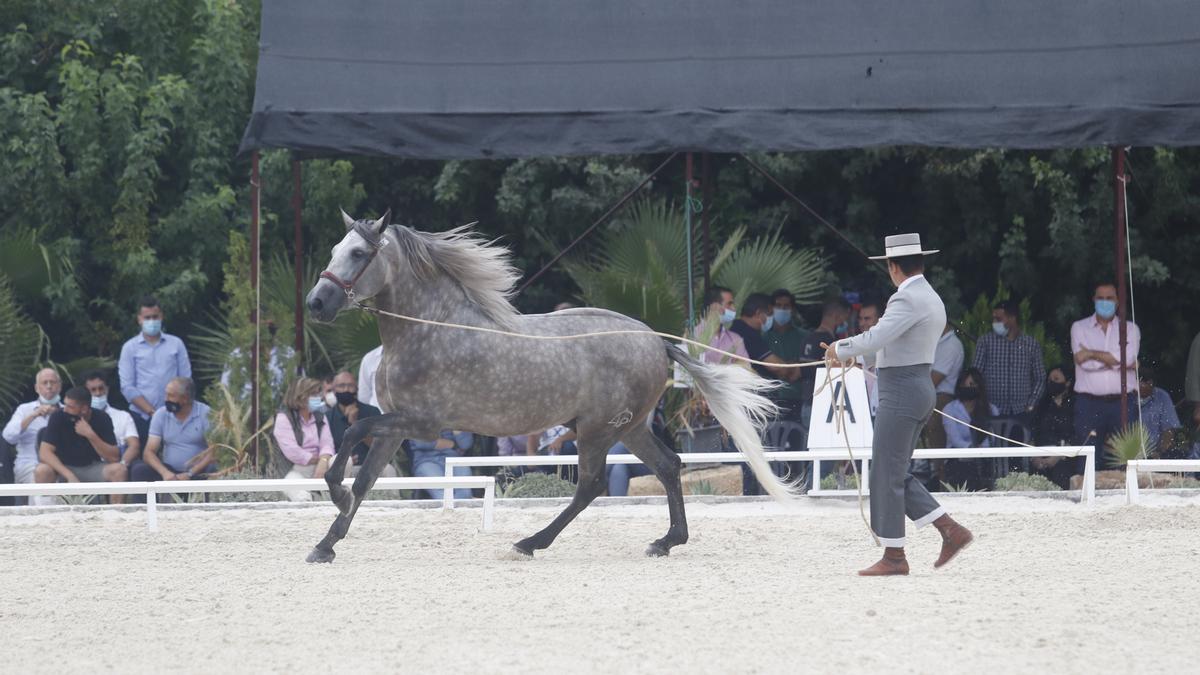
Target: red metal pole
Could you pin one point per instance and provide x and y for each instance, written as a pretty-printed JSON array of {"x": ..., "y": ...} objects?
[
  {"x": 298, "y": 245},
  {"x": 706, "y": 178},
  {"x": 1119, "y": 207},
  {"x": 255, "y": 197}
]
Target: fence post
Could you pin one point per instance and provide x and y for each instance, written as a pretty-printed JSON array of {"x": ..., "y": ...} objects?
[{"x": 152, "y": 510}]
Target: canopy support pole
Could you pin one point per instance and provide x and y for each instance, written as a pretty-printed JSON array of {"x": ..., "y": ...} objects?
[
  {"x": 599, "y": 221},
  {"x": 706, "y": 184},
  {"x": 1118, "y": 155},
  {"x": 255, "y": 213},
  {"x": 687, "y": 222},
  {"x": 298, "y": 246}
]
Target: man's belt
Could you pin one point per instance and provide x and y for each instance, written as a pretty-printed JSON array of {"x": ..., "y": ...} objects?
[{"x": 1104, "y": 397}]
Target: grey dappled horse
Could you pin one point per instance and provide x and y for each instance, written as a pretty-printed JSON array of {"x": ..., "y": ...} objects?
[{"x": 435, "y": 377}]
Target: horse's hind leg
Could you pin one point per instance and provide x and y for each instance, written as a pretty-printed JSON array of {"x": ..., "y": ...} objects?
[
  {"x": 382, "y": 451},
  {"x": 665, "y": 465},
  {"x": 593, "y": 480}
]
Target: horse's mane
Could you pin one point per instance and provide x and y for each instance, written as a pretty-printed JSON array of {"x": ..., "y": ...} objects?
[{"x": 482, "y": 268}]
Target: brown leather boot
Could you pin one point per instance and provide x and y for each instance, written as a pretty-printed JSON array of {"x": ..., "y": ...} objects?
[
  {"x": 955, "y": 538},
  {"x": 893, "y": 563}
]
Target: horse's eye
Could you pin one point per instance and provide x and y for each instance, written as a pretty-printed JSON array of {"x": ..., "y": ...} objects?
[{"x": 356, "y": 254}]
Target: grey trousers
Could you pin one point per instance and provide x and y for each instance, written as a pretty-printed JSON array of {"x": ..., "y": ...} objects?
[{"x": 906, "y": 399}]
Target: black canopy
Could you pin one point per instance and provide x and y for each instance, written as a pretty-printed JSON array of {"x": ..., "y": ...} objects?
[{"x": 443, "y": 79}]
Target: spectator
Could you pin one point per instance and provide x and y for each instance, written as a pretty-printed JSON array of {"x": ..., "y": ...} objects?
[
  {"x": 303, "y": 435},
  {"x": 513, "y": 446},
  {"x": 429, "y": 459},
  {"x": 148, "y": 361},
  {"x": 1012, "y": 363},
  {"x": 343, "y": 413},
  {"x": 786, "y": 341},
  {"x": 1191, "y": 382},
  {"x": 972, "y": 405},
  {"x": 27, "y": 420},
  {"x": 79, "y": 445},
  {"x": 128, "y": 442},
  {"x": 718, "y": 317},
  {"x": 179, "y": 431},
  {"x": 277, "y": 362},
  {"x": 366, "y": 377},
  {"x": 868, "y": 316},
  {"x": 947, "y": 366},
  {"x": 1157, "y": 415},
  {"x": 756, "y": 317},
  {"x": 1095, "y": 343},
  {"x": 1053, "y": 424},
  {"x": 835, "y": 315}
]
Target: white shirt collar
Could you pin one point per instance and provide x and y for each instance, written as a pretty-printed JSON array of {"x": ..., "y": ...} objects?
[{"x": 909, "y": 281}]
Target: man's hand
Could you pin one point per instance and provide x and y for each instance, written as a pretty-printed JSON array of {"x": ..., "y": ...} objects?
[
  {"x": 84, "y": 429},
  {"x": 322, "y": 467},
  {"x": 71, "y": 477},
  {"x": 831, "y": 356},
  {"x": 43, "y": 410},
  {"x": 1196, "y": 414},
  {"x": 556, "y": 445},
  {"x": 443, "y": 444},
  {"x": 1106, "y": 358}
]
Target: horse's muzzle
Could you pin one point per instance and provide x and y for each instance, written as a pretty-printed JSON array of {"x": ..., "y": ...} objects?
[{"x": 324, "y": 301}]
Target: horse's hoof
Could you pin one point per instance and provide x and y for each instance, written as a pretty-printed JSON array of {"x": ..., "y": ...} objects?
[
  {"x": 657, "y": 550},
  {"x": 516, "y": 553},
  {"x": 319, "y": 555}
]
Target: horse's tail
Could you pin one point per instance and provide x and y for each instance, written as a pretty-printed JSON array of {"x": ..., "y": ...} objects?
[{"x": 735, "y": 397}]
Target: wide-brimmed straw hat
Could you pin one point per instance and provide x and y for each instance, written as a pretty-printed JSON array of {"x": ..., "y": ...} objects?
[{"x": 900, "y": 245}]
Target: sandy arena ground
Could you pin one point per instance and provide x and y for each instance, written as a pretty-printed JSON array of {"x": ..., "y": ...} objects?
[{"x": 1048, "y": 587}]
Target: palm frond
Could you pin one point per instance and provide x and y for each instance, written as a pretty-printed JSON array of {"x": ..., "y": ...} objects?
[{"x": 23, "y": 341}]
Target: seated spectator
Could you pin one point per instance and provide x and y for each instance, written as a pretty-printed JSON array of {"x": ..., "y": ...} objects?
[
  {"x": 343, "y": 413},
  {"x": 947, "y": 366},
  {"x": 148, "y": 361},
  {"x": 786, "y": 341},
  {"x": 179, "y": 431},
  {"x": 619, "y": 474},
  {"x": 128, "y": 442},
  {"x": 366, "y": 376},
  {"x": 512, "y": 446},
  {"x": 557, "y": 440},
  {"x": 27, "y": 420},
  {"x": 1157, "y": 415},
  {"x": 970, "y": 405},
  {"x": 76, "y": 439},
  {"x": 302, "y": 434},
  {"x": 1054, "y": 424},
  {"x": 719, "y": 315},
  {"x": 429, "y": 458}
]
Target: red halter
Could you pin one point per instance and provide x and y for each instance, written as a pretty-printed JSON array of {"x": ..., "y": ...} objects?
[{"x": 348, "y": 286}]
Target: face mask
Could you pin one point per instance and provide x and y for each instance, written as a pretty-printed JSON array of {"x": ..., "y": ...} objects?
[
  {"x": 100, "y": 402},
  {"x": 841, "y": 328},
  {"x": 346, "y": 397},
  {"x": 1055, "y": 388},
  {"x": 331, "y": 399},
  {"x": 173, "y": 407},
  {"x": 1106, "y": 309},
  {"x": 783, "y": 317},
  {"x": 53, "y": 400},
  {"x": 152, "y": 327},
  {"x": 967, "y": 393},
  {"x": 999, "y": 328},
  {"x": 727, "y": 317},
  {"x": 316, "y": 403},
  {"x": 768, "y": 323}
]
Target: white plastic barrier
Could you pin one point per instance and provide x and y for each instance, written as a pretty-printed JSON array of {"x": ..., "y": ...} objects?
[
  {"x": 1135, "y": 466},
  {"x": 814, "y": 456},
  {"x": 151, "y": 490}
]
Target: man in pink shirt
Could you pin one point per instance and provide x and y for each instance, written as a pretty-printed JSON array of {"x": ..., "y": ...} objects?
[
  {"x": 1095, "y": 342},
  {"x": 719, "y": 316}
]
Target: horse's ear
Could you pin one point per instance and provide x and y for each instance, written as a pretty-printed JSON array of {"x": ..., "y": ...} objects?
[
  {"x": 349, "y": 222},
  {"x": 383, "y": 222}
]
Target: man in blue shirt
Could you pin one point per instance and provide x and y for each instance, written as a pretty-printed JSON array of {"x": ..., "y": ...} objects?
[
  {"x": 1157, "y": 415},
  {"x": 148, "y": 361},
  {"x": 177, "y": 447}
]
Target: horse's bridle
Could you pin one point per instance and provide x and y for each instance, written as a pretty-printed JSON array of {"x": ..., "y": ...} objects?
[{"x": 376, "y": 245}]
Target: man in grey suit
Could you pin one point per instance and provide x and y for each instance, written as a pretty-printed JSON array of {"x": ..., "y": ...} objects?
[{"x": 905, "y": 340}]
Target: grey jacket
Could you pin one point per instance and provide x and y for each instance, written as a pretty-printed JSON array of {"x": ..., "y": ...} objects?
[{"x": 908, "y": 332}]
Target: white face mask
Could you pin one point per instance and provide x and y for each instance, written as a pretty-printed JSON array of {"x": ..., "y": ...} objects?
[
  {"x": 100, "y": 402},
  {"x": 331, "y": 400},
  {"x": 53, "y": 400}
]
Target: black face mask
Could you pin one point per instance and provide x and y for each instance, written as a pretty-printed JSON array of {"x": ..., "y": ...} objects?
[
  {"x": 346, "y": 397},
  {"x": 967, "y": 393},
  {"x": 1055, "y": 388},
  {"x": 173, "y": 407}
]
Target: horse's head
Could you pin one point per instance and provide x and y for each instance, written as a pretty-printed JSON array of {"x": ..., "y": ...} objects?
[{"x": 353, "y": 273}]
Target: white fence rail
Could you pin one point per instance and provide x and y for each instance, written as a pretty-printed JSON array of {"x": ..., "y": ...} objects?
[
  {"x": 814, "y": 456},
  {"x": 1135, "y": 466},
  {"x": 152, "y": 490}
]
